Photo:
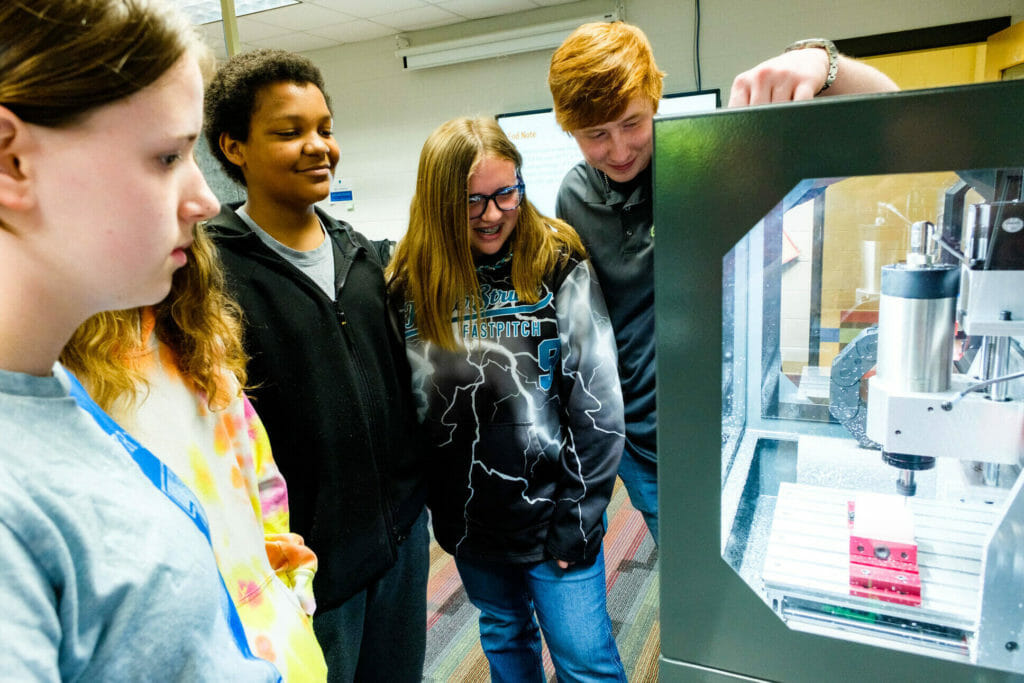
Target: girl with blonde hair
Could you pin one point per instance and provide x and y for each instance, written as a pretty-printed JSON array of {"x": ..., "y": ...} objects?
[
  {"x": 514, "y": 372},
  {"x": 107, "y": 570},
  {"x": 172, "y": 375}
]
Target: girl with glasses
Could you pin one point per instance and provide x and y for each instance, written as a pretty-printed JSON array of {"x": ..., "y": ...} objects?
[{"x": 514, "y": 371}]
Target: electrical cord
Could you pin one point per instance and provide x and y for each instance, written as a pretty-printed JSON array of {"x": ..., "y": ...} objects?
[
  {"x": 696, "y": 43},
  {"x": 948, "y": 405}
]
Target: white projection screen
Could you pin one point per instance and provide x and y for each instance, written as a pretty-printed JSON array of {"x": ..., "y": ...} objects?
[{"x": 548, "y": 152}]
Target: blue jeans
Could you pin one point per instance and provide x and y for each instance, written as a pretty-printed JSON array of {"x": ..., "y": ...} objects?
[
  {"x": 640, "y": 477},
  {"x": 380, "y": 633},
  {"x": 570, "y": 605}
]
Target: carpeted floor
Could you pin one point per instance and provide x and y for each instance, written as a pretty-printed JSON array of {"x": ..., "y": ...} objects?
[{"x": 453, "y": 639}]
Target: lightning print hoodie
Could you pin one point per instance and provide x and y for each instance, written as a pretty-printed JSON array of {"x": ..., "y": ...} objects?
[{"x": 524, "y": 422}]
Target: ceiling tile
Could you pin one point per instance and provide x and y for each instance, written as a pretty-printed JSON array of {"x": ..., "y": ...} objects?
[
  {"x": 251, "y": 28},
  {"x": 207, "y": 11},
  {"x": 333, "y": 22},
  {"x": 212, "y": 32},
  {"x": 479, "y": 9},
  {"x": 364, "y": 9},
  {"x": 427, "y": 16},
  {"x": 353, "y": 31},
  {"x": 296, "y": 41},
  {"x": 301, "y": 17}
]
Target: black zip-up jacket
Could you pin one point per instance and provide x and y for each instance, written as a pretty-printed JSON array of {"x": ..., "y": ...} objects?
[{"x": 330, "y": 381}]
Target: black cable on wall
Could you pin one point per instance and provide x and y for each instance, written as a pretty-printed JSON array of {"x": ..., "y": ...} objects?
[{"x": 696, "y": 43}]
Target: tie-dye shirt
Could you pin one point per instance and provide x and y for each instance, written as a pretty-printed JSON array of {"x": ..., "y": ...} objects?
[{"x": 224, "y": 457}]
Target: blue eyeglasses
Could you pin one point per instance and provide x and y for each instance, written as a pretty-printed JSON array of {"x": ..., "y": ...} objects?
[{"x": 506, "y": 199}]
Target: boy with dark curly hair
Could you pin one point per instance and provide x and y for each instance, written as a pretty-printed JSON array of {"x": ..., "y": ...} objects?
[{"x": 330, "y": 377}]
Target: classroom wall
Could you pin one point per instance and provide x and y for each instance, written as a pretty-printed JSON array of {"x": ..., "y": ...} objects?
[{"x": 383, "y": 113}]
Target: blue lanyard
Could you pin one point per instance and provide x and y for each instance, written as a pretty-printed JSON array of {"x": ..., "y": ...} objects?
[{"x": 168, "y": 482}]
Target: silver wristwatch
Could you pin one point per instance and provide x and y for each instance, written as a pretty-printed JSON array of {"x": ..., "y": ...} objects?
[{"x": 833, "y": 57}]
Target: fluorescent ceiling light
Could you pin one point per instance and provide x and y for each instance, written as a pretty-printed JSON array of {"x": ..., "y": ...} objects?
[
  {"x": 499, "y": 44},
  {"x": 208, "y": 11}
]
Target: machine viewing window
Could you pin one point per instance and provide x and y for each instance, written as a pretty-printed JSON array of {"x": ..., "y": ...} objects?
[{"x": 873, "y": 407}]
